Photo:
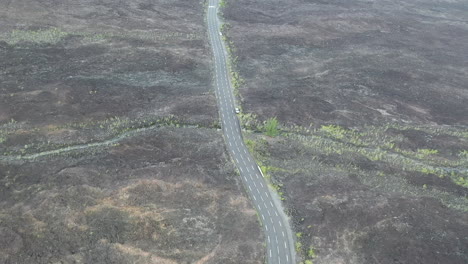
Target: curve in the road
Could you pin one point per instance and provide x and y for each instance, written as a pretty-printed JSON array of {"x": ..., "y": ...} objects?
[{"x": 278, "y": 234}]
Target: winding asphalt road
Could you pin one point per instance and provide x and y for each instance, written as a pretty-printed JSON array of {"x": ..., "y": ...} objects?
[{"x": 280, "y": 249}]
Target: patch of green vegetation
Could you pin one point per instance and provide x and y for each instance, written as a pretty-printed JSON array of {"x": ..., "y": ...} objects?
[
  {"x": 236, "y": 81},
  {"x": 463, "y": 154},
  {"x": 270, "y": 127},
  {"x": 462, "y": 181},
  {"x": 267, "y": 169},
  {"x": 222, "y": 3},
  {"x": 250, "y": 145},
  {"x": 344, "y": 150},
  {"x": 216, "y": 124},
  {"x": 258, "y": 148},
  {"x": 278, "y": 188},
  {"x": 298, "y": 247},
  {"x": 339, "y": 133},
  {"x": 427, "y": 152},
  {"x": 224, "y": 27},
  {"x": 376, "y": 145},
  {"x": 249, "y": 121},
  {"x": 334, "y": 131},
  {"x": 311, "y": 252},
  {"x": 43, "y": 36}
]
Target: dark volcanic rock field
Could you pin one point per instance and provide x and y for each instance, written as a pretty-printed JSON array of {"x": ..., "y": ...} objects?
[{"x": 371, "y": 96}]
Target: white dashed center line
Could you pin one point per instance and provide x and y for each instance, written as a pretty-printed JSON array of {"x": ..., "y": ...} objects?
[{"x": 233, "y": 136}]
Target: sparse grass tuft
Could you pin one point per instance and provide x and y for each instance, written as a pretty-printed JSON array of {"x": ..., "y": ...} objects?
[
  {"x": 311, "y": 252},
  {"x": 427, "y": 152},
  {"x": 249, "y": 121},
  {"x": 334, "y": 131}
]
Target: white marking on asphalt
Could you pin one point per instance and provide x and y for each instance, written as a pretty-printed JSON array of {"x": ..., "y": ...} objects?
[
  {"x": 285, "y": 245},
  {"x": 227, "y": 96},
  {"x": 255, "y": 198}
]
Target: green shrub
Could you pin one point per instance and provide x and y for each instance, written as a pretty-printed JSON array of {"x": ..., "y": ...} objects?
[{"x": 271, "y": 127}]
